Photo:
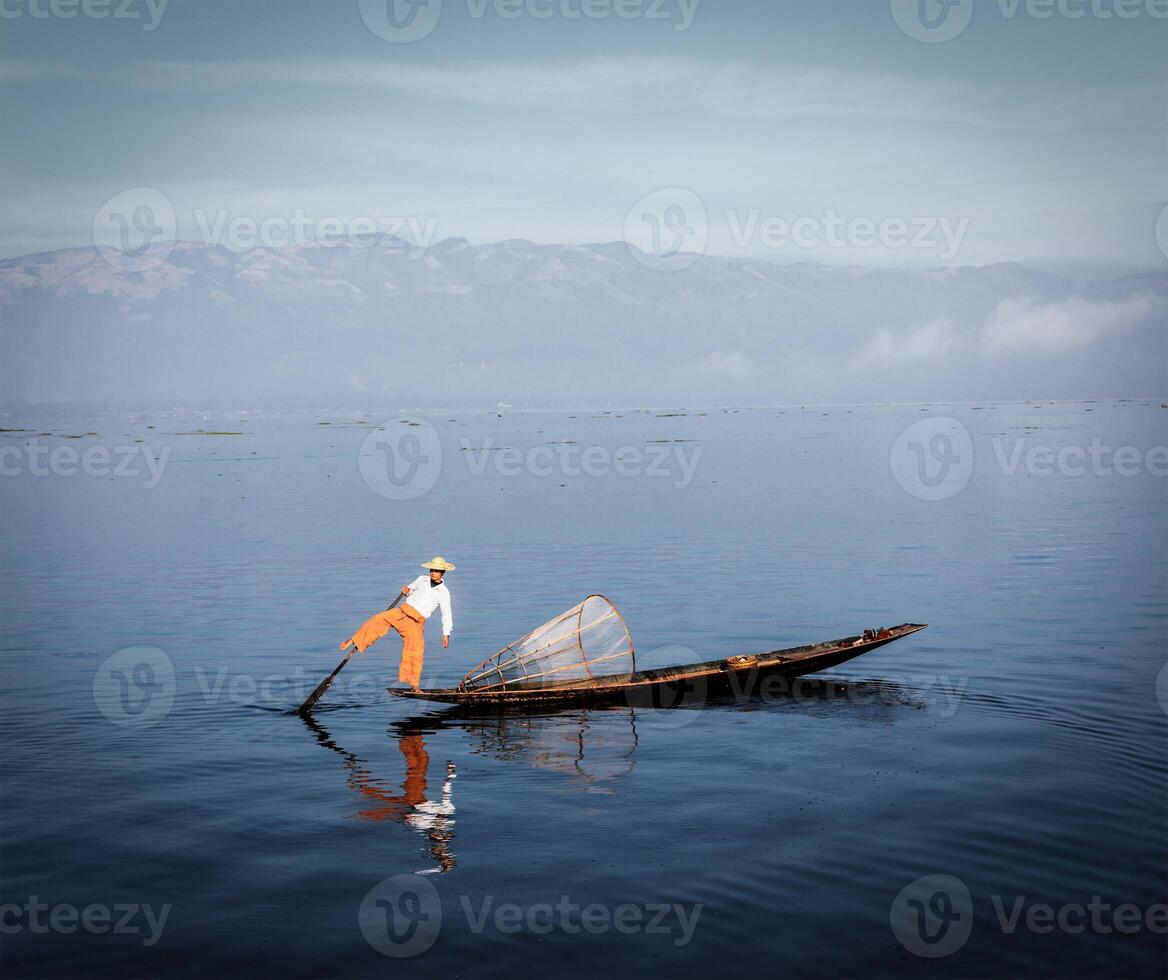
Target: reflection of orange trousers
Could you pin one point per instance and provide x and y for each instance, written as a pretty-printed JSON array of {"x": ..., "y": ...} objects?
[
  {"x": 409, "y": 623},
  {"x": 392, "y": 806}
]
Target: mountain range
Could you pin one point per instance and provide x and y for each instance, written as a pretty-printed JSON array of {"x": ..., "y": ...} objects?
[{"x": 379, "y": 322}]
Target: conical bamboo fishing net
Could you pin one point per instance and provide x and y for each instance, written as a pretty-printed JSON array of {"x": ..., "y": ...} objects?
[{"x": 589, "y": 640}]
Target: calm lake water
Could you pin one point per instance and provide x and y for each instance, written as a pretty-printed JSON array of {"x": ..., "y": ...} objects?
[{"x": 158, "y": 621}]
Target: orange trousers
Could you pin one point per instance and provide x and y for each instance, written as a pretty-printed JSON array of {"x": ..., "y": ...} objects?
[{"x": 410, "y": 625}]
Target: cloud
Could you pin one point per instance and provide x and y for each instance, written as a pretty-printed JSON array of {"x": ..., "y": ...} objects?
[
  {"x": 1017, "y": 324},
  {"x": 590, "y": 82},
  {"x": 559, "y": 149},
  {"x": 884, "y": 349},
  {"x": 638, "y": 83},
  {"x": 1028, "y": 324}
]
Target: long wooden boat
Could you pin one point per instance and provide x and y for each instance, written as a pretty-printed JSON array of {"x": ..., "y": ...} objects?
[{"x": 676, "y": 686}]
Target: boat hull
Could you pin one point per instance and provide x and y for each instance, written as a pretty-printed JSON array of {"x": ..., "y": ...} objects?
[{"x": 680, "y": 685}]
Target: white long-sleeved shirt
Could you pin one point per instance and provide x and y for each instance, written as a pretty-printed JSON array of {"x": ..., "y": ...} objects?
[{"x": 425, "y": 598}]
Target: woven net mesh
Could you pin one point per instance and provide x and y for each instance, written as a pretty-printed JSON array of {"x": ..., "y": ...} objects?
[{"x": 589, "y": 640}]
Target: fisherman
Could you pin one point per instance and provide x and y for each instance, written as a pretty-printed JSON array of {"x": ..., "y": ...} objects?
[{"x": 424, "y": 594}]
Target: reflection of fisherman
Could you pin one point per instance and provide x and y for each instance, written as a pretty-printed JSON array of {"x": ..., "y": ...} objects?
[
  {"x": 424, "y": 595},
  {"x": 434, "y": 818}
]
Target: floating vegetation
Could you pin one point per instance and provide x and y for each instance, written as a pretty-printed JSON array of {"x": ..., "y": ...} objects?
[
  {"x": 83, "y": 435},
  {"x": 651, "y": 441},
  {"x": 671, "y": 415},
  {"x": 208, "y": 432},
  {"x": 14, "y": 430}
]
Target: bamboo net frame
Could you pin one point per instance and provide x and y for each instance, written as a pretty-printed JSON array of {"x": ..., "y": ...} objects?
[{"x": 566, "y": 648}]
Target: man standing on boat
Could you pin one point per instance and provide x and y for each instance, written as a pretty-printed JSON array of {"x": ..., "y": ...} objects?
[{"x": 423, "y": 595}]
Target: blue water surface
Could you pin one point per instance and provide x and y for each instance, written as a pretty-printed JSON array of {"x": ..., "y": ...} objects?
[{"x": 1016, "y": 747}]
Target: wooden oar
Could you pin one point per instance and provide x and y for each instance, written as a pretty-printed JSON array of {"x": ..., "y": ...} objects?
[{"x": 324, "y": 685}]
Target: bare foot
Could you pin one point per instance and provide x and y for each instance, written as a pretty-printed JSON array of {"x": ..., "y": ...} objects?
[{"x": 416, "y": 690}]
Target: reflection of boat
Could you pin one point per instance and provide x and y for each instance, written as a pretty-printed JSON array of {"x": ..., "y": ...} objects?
[
  {"x": 411, "y": 807},
  {"x": 662, "y": 687},
  {"x": 594, "y": 746}
]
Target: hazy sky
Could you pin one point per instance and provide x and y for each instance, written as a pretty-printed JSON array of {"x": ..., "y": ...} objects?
[{"x": 1023, "y": 137}]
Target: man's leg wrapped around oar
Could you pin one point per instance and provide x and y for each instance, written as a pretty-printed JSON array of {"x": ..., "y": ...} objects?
[{"x": 409, "y": 623}]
